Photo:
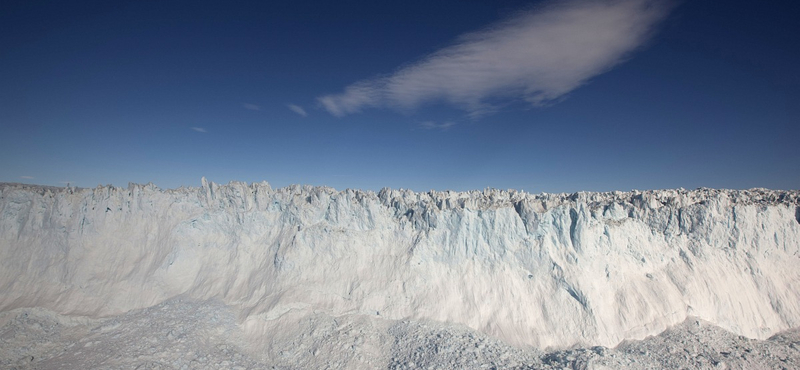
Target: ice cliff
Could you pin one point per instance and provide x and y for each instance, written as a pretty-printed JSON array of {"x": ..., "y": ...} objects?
[{"x": 547, "y": 270}]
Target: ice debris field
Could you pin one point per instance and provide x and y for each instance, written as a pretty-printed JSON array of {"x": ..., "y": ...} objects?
[{"x": 247, "y": 276}]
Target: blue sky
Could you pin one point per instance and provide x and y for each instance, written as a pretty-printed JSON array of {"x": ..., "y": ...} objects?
[{"x": 544, "y": 96}]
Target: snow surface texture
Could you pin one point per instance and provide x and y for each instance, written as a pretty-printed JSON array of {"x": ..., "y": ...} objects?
[
  {"x": 545, "y": 271},
  {"x": 179, "y": 334}
]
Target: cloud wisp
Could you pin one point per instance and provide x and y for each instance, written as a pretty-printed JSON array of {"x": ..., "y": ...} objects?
[
  {"x": 251, "y": 106},
  {"x": 27, "y": 177},
  {"x": 432, "y": 125},
  {"x": 199, "y": 129},
  {"x": 297, "y": 109},
  {"x": 536, "y": 56}
]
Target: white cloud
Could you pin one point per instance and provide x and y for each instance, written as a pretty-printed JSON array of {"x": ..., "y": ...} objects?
[
  {"x": 27, "y": 177},
  {"x": 431, "y": 125},
  {"x": 199, "y": 129},
  {"x": 251, "y": 106},
  {"x": 537, "y": 56},
  {"x": 297, "y": 109}
]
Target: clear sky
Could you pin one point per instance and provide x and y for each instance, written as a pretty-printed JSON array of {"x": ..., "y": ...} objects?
[{"x": 543, "y": 96}]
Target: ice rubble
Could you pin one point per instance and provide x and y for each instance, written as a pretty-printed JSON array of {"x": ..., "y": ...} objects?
[{"x": 547, "y": 270}]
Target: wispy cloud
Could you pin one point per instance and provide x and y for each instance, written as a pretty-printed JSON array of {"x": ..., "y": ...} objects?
[
  {"x": 537, "y": 56},
  {"x": 251, "y": 106},
  {"x": 199, "y": 129},
  {"x": 432, "y": 125},
  {"x": 297, "y": 109},
  {"x": 27, "y": 177}
]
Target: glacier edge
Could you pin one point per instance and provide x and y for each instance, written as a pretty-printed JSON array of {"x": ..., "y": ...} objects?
[{"x": 547, "y": 270}]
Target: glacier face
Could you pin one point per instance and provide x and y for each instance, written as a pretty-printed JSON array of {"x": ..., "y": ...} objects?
[{"x": 548, "y": 270}]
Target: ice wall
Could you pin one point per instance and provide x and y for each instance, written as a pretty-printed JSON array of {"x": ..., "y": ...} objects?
[{"x": 548, "y": 270}]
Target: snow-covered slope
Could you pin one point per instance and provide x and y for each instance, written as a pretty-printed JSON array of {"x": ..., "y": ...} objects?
[{"x": 548, "y": 270}]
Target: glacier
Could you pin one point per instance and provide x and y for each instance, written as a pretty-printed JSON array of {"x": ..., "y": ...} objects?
[{"x": 540, "y": 270}]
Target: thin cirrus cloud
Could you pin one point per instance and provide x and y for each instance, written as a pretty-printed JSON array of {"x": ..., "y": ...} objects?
[
  {"x": 432, "y": 125},
  {"x": 199, "y": 129},
  {"x": 537, "y": 56},
  {"x": 27, "y": 177},
  {"x": 297, "y": 109},
  {"x": 251, "y": 106}
]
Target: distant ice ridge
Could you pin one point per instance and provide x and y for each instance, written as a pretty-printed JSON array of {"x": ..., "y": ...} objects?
[{"x": 547, "y": 270}]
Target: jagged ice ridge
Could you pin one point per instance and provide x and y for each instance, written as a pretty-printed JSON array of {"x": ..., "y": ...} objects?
[{"x": 546, "y": 270}]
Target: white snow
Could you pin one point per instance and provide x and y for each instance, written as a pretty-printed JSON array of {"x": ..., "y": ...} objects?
[{"x": 547, "y": 271}]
